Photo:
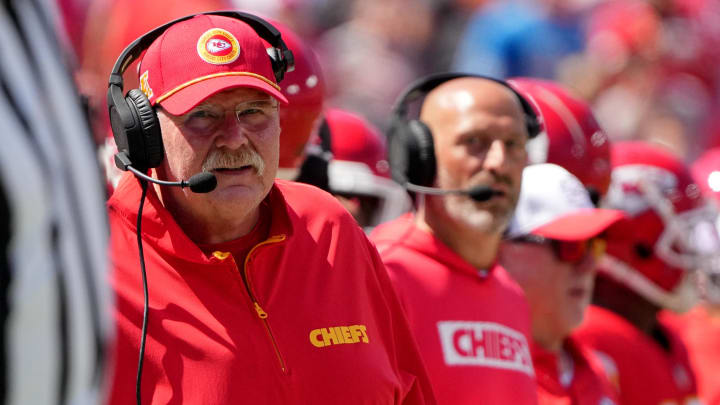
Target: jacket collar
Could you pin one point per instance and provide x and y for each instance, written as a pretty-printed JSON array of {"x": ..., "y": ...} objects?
[{"x": 160, "y": 228}]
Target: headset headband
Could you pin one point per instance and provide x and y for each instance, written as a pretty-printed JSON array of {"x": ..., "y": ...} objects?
[{"x": 423, "y": 86}]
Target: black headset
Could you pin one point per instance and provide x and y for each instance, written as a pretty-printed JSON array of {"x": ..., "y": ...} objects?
[
  {"x": 135, "y": 124},
  {"x": 411, "y": 152}
]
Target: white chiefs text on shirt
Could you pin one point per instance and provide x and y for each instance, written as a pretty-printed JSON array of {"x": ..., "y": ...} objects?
[{"x": 485, "y": 344}]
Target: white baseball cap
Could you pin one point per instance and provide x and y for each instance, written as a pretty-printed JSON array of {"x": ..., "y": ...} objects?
[{"x": 554, "y": 204}]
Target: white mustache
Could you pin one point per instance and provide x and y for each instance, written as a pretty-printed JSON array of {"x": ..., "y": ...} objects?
[{"x": 225, "y": 159}]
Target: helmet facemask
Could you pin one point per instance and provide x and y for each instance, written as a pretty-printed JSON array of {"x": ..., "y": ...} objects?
[{"x": 686, "y": 244}]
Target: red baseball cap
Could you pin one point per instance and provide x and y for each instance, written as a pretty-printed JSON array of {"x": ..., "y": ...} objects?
[{"x": 197, "y": 58}]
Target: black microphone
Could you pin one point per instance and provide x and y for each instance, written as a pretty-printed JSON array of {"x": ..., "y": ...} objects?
[
  {"x": 204, "y": 182},
  {"x": 477, "y": 193}
]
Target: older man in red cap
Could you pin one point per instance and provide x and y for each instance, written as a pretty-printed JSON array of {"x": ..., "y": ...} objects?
[{"x": 261, "y": 291}]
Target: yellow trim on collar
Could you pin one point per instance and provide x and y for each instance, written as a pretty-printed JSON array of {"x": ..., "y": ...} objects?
[{"x": 212, "y": 76}]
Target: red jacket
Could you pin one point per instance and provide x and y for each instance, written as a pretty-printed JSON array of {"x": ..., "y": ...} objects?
[
  {"x": 586, "y": 385},
  {"x": 645, "y": 373},
  {"x": 472, "y": 326},
  {"x": 308, "y": 317}
]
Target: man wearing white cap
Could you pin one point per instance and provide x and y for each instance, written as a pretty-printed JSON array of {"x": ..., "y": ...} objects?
[{"x": 551, "y": 247}]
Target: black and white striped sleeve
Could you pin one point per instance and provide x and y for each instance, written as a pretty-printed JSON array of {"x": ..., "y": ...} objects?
[{"x": 54, "y": 294}]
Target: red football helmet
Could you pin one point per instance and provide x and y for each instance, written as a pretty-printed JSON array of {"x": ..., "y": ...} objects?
[
  {"x": 571, "y": 138},
  {"x": 669, "y": 234},
  {"x": 304, "y": 88},
  {"x": 359, "y": 167}
]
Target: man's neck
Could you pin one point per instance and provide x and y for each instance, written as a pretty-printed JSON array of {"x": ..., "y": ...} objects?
[
  {"x": 476, "y": 247},
  {"x": 213, "y": 229}
]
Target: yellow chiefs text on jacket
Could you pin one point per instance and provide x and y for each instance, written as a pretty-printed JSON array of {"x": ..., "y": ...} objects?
[{"x": 337, "y": 335}]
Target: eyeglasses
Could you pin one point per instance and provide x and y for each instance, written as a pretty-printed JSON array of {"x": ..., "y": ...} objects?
[
  {"x": 568, "y": 251},
  {"x": 254, "y": 116}
]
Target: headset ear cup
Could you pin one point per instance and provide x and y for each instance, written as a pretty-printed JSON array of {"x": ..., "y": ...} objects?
[
  {"x": 411, "y": 153},
  {"x": 421, "y": 154},
  {"x": 118, "y": 128},
  {"x": 398, "y": 152},
  {"x": 147, "y": 135}
]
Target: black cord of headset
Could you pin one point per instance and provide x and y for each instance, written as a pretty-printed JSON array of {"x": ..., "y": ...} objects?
[{"x": 144, "y": 185}]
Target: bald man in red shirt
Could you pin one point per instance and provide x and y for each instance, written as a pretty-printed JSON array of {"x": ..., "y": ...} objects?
[{"x": 471, "y": 320}]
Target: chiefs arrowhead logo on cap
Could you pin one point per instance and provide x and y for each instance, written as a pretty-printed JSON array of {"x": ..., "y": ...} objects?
[
  {"x": 145, "y": 86},
  {"x": 218, "y": 47}
]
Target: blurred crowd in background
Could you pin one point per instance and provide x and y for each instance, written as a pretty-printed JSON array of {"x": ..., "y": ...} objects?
[{"x": 648, "y": 67}]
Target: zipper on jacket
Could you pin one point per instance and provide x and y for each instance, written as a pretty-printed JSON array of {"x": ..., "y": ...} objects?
[
  {"x": 258, "y": 309},
  {"x": 262, "y": 314}
]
